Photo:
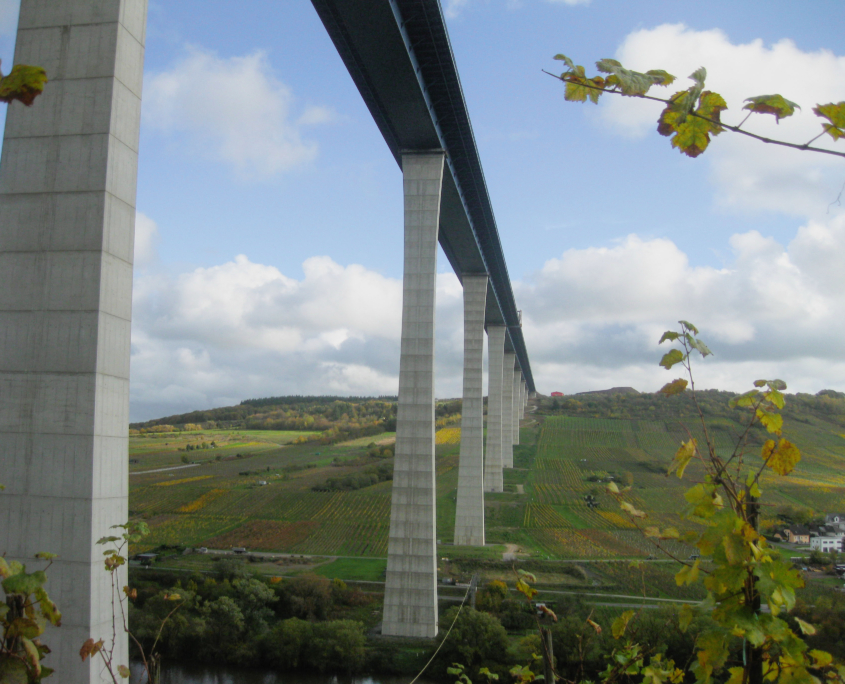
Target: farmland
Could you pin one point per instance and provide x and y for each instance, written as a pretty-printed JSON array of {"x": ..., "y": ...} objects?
[{"x": 263, "y": 490}]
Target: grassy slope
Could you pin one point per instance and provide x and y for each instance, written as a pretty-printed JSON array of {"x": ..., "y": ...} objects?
[{"x": 212, "y": 504}]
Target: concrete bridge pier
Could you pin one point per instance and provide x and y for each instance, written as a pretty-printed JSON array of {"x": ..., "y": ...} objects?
[
  {"x": 524, "y": 396},
  {"x": 517, "y": 403},
  {"x": 495, "y": 374},
  {"x": 410, "y": 593},
  {"x": 68, "y": 180},
  {"x": 469, "y": 510},
  {"x": 507, "y": 409}
]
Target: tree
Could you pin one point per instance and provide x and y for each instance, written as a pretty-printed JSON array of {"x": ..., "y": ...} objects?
[
  {"x": 690, "y": 117},
  {"x": 477, "y": 638}
]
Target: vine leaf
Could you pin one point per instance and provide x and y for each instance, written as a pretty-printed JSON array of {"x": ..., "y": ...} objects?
[
  {"x": 781, "y": 458},
  {"x": 682, "y": 457},
  {"x": 630, "y": 82},
  {"x": 24, "y": 83},
  {"x": 776, "y": 105},
  {"x": 670, "y": 389},
  {"x": 835, "y": 113},
  {"x": 671, "y": 358}
]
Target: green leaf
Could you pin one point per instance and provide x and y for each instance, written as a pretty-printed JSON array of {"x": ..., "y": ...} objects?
[
  {"x": 32, "y": 656},
  {"x": 580, "y": 88},
  {"x": 760, "y": 383},
  {"x": 24, "y": 84},
  {"x": 620, "y": 624},
  {"x": 43, "y": 555},
  {"x": 123, "y": 671},
  {"x": 685, "y": 615},
  {"x": 693, "y": 136},
  {"x": 107, "y": 540},
  {"x": 563, "y": 58},
  {"x": 665, "y": 78},
  {"x": 669, "y": 335},
  {"x": 689, "y": 326},
  {"x": 776, "y": 398},
  {"x": 711, "y": 105},
  {"x": 835, "y": 113},
  {"x": 670, "y": 389},
  {"x": 687, "y": 574},
  {"x": 682, "y": 457},
  {"x": 630, "y": 82},
  {"x": 48, "y": 608},
  {"x": 698, "y": 76},
  {"x": 671, "y": 358},
  {"x": 24, "y": 583},
  {"x": 745, "y": 400},
  {"x": 776, "y": 105},
  {"x": 13, "y": 670}
]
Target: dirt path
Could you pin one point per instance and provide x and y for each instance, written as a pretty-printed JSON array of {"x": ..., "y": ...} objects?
[
  {"x": 510, "y": 552},
  {"x": 520, "y": 489}
]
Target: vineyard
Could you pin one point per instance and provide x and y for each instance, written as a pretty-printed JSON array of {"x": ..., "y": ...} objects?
[{"x": 555, "y": 506}]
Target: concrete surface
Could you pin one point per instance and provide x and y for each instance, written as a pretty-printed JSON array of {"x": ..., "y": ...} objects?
[
  {"x": 410, "y": 594},
  {"x": 67, "y": 213},
  {"x": 507, "y": 409},
  {"x": 493, "y": 454},
  {"x": 469, "y": 510}
]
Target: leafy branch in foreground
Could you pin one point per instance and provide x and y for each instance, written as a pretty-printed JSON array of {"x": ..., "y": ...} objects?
[
  {"x": 23, "y": 618},
  {"x": 692, "y": 116},
  {"x": 740, "y": 571},
  {"x": 24, "y": 83},
  {"x": 133, "y": 532}
]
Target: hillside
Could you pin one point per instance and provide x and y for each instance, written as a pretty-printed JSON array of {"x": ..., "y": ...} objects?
[{"x": 570, "y": 447}]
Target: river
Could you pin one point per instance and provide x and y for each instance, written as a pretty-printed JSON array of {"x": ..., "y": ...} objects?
[{"x": 197, "y": 674}]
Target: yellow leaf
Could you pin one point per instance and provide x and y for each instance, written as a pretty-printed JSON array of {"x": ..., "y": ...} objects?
[
  {"x": 594, "y": 625},
  {"x": 821, "y": 658},
  {"x": 783, "y": 458},
  {"x": 670, "y": 389},
  {"x": 682, "y": 457},
  {"x": 805, "y": 627},
  {"x": 630, "y": 510},
  {"x": 620, "y": 624},
  {"x": 612, "y": 488},
  {"x": 651, "y": 531}
]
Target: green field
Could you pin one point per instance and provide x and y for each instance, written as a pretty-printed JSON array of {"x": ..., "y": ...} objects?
[{"x": 221, "y": 502}]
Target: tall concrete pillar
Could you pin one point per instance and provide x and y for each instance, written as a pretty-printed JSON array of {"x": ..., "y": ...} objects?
[
  {"x": 469, "y": 512},
  {"x": 68, "y": 180},
  {"x": 517, "y": 403},
  {"x": 410, "y": 592},
  {"x": 524, "y": 396},
  {"x": 493, "y": 454},
  {"x": 507, "y": 409}
]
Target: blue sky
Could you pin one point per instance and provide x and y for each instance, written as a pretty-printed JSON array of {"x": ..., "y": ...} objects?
[{"x": 268, "y": 254}]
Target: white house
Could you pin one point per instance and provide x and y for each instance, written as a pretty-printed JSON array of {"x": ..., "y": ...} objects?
[{"x": 825, "y": 544}]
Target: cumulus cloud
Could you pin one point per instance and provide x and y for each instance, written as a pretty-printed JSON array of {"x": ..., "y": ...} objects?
[
  {"x": 214, "y": 336},
  {"x": 233, "y": 109},
  {"x": 747, "y": 174},
  {"x": 593, "y": 316}
]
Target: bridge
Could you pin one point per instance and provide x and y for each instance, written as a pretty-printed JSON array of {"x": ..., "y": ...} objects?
[{"x": 67, "y": 211}]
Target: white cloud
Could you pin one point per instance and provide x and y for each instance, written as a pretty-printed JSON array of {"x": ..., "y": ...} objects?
[
  {"x": 214, "y": 336},
  {"x": 593, "y": 316},
  {"x": 9, "y": 17},
  {"x": 747, "y": 174},
  {"x": 146, "y": 241},
  {"x": 233, "y": 109}
]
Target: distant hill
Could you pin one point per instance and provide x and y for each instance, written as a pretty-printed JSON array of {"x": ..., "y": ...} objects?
[{"x": 610, "y": 392}]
